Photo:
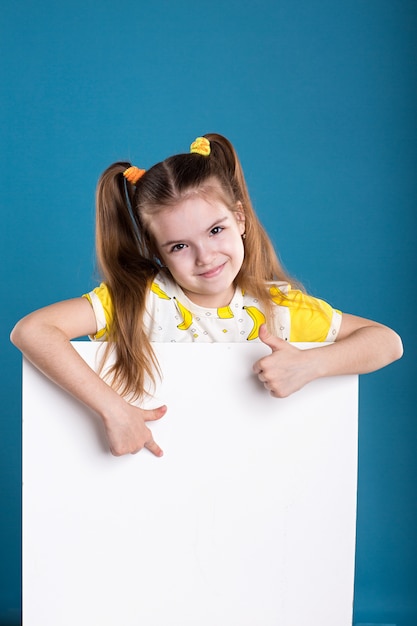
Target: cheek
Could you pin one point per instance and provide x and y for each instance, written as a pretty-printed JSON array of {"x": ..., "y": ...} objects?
[
  {"x": 175, "y": 262},
  {"x": 239, "y": 250},
  {"x": 242, "y": 251}
]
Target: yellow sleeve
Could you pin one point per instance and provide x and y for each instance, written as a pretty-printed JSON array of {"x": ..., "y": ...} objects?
[
  {"x": 311, "y": 319},
  {"x": 102, "y": 304}
]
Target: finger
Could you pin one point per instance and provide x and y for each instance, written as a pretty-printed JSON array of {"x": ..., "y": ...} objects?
[
  {"x": 153, "y": 447},
  {"x": 151, "y": 415},
  {"x": 116, "y": 451},
  {"x": 275, "y": 343},
  {"x": 266, "y": 383}
]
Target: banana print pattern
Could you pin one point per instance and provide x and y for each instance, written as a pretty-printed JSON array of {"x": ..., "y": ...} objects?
[
  {"x": 159, "y": 292},
  {"x": 166, "y": 317},
  {"x": 258, "y": 319},
  {"x": 187, "y": 316},
  {"x": 276, "y": 295},
  {"x": 225, "y": 313}
]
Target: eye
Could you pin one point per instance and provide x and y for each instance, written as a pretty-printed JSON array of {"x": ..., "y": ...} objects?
[
  {"x": 216, "y": 230},
  {"x": 178, "y": 247}
]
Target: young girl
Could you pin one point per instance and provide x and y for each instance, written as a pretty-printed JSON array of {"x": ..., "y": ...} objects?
[{"x": 184, "y": 258}]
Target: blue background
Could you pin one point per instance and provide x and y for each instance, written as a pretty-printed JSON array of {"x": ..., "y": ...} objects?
[{"x": 319, "y": 98}]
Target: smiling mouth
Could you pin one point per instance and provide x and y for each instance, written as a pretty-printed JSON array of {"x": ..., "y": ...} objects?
[{"x": 213, "y": 272}]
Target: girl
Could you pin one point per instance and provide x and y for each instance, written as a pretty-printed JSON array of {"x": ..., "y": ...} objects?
[{"x": 184, "y": 258}]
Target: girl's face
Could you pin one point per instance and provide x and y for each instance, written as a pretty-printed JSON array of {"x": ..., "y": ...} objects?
[{"x": 200, "y": 242}]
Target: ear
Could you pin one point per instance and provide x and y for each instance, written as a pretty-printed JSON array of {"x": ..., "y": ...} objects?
[{"x": 240, "y": 217}]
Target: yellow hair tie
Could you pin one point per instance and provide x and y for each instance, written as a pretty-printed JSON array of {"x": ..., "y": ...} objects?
[
  {"x": 132, "y": 174},
  {"x": 201, "y": 146}
]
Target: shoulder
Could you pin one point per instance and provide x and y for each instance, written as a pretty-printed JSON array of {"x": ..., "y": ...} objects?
[
  {"x": 101, "y": 302},
  {"x": 309, "y": 319}
]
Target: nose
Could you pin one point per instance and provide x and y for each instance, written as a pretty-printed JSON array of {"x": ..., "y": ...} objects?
[{"x": 204, "y": 255}]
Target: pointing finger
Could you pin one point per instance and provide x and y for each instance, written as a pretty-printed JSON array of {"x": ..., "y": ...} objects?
[{"x": 153, "y": 447}]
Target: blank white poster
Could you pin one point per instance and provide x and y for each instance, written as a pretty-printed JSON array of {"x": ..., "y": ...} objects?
[{"x": 247, "y": 520}]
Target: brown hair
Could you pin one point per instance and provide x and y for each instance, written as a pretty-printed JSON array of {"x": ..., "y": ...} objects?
[{"x": 128, "y": 257}]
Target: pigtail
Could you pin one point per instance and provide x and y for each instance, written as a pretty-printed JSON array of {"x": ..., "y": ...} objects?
[
  {"x": 226, "y": 159},
  {"x": 121, "y": 242},
  {"x": 261, "y": 263},
  {"x": 127, "y": 268}
]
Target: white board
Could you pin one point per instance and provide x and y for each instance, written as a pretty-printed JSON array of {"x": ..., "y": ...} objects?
[{"x": 247, "y": 520}]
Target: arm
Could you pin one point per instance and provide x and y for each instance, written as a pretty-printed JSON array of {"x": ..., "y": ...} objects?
[
  {"x": 362, "y": 346},
  {"x": 44, "y": 338}
]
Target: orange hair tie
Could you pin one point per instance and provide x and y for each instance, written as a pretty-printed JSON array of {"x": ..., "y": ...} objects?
[
  {"x": 133, "y": 174},
  {"x": 201, "y": 146}
]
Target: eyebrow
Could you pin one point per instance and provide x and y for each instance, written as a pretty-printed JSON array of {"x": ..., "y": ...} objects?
[{"x": 216, "y": 223}]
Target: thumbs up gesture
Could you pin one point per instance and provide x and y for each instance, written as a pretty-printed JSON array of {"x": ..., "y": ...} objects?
[{"x": 287, "y": 369}]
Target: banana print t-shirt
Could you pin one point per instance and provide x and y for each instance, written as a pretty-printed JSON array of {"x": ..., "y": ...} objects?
[{"x": 172, "y": 317}]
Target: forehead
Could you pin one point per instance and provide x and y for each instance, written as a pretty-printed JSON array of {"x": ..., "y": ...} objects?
[{"x": 193, "y": 214}]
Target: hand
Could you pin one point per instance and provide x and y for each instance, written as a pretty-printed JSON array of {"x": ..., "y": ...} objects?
[
  {"x": 127, "y": 432},
  {"x": 284, "y": 371}
]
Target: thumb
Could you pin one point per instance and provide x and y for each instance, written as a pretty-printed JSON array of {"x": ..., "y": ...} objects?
[
  {"x": 275, "y": 343},
  {"x": 155, "y": 414}
]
